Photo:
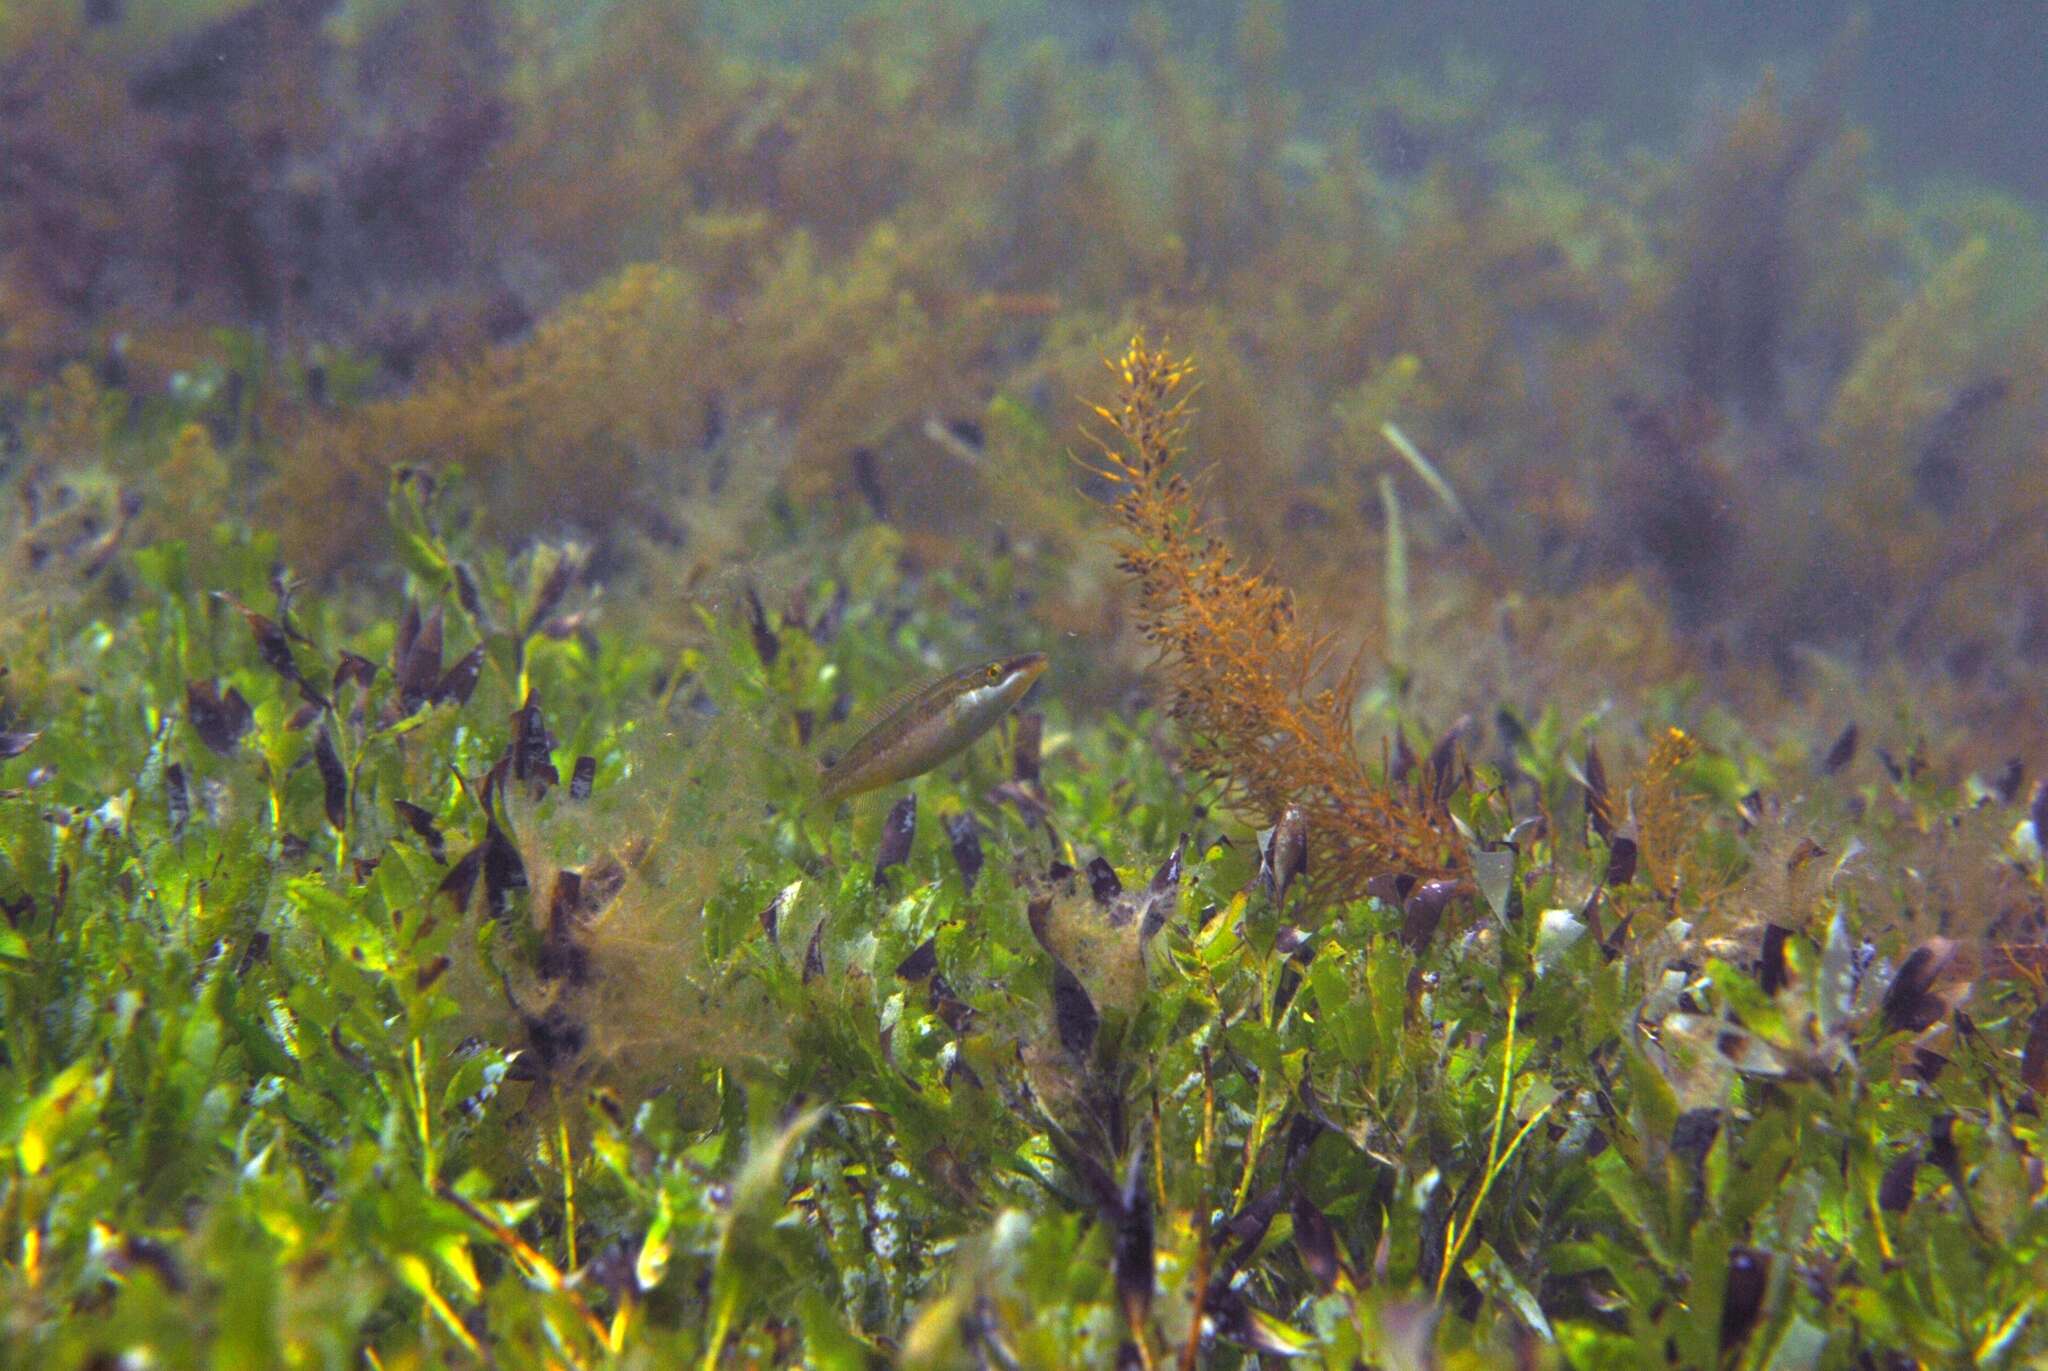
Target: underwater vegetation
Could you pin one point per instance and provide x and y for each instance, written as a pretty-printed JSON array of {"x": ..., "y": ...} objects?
[
  {"x": 1524, "y": 844},
  {"x": 1247, "y": 682},
  {"x": 445, "y": 971}
]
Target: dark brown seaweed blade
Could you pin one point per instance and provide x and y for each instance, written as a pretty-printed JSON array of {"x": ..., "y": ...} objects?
[
  {"x": 1424, "y": 911},
  {"x": 899, "y": 830},
  {"x": 1102, "y": 881},
  {"x": 418, "y": 662},
  {"x": 1162, "y": 893},
  {"x": 532, "y": 750},
  {"x": 1771, "y": 971},
  {"x": 1286, "y": 853},
  {"x": 219, "y": 720},
  {"x": 422, "y": 825},
  {"x": 1895, "y": 1190},
  {"x": 956, "y": 1013},
  {"x": 1074, "y": 1015},
  {"x": 1135, "y": 1257},
  {"x": 333, "y": 780},
  {"x": 1621, "y": 859},
  {"x": 354, "y": 667},
  {"x": 1316, "y": 1242},
  {"x": 1598, "y": 814},
  {"x": 2034, "y": 1056},
  {"x": 504, "y": 870},
  {"x": 562, "y": 955},
  {"x": 274, "y": 646},
  {"x": 466, "y": 593},
  {"x": 920, "y": 963},
  {"x": 1941, "y": 1147},
  {"x": 826, "y": 629},
  {"x": 1443, "y": 773},
  {"x": 1299, "y": 950},
  {"x": 403, "y": 637},
  {"x": 771, "y": 917},
  {"x": 1841, "y": 753},
  {"x": 1024, "y": 758},
  {"x": 257, "y": 949},
  {"x": 1910, "y": 1003},
  {"x": 177, "y": 798},
  {"x": 458, "y": 683},
  {"x": 963, "y": 830},
  {"x": 767, "y": 643},
  {"x": 1742, "y": 1299},
  {"x": 560, "y": 576},
  {"x": 1401, "y": 763},
  {"x": 1391, "y": 888},
  {"x": 461, "y": 878},
  {"x": 1692, "y": 1138},
  {"x": 814, "y": 955}
]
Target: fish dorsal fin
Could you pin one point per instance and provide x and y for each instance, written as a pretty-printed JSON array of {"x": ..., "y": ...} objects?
[{"x": 844, "y": 737}]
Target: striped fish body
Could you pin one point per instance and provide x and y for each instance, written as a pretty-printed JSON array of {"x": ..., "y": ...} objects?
[{"x": 917, "y": 731}]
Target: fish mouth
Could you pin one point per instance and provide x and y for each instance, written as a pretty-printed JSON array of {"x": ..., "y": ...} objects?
[{"x": 1029, "y": 665}]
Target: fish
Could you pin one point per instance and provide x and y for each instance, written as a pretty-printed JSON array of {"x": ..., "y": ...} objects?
[{"x": 916, "y": 729}]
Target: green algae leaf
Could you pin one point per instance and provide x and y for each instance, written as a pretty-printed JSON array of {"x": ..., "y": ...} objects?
[
  {"x": 1495, "y": 1278},
  {"x": 1011, "y": 421},
  {"x": 828, "y": 1342},
  {"x": 1394, "y": 588},
  {"x": 1835, "y": 992},
  {"x": 1346, "y": 1016},
  {"x": 651, "y": 1265},
  {"x": 1425, "y": 469},
  {"x": 1799, "y": 1348},
  {"x": 165, "y": 568},
  {"x": 1494, "y": 872},
  {"x": 14, "y": 954},
  {"x": 61, "y": 1114}
]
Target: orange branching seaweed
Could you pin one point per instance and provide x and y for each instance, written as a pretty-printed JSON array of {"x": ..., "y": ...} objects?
[
  {"x": 1666, "y": 814},
  {"x": 1244, "y": 674}
]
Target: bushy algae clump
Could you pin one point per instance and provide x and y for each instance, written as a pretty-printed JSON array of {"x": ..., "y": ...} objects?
[{"x": 1245, "y": 677}]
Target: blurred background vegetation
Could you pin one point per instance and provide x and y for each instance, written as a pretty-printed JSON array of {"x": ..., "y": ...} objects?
[{"x": 1722, "y": 387}]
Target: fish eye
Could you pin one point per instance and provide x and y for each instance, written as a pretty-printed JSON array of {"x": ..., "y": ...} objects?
[{"x": 995, "y": 672}]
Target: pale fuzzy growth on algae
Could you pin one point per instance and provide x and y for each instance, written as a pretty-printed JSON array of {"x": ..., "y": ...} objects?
[
  {"x": 1787, "y": 881},
  {"x": 1107, "y": 957},
  {"x": 629, "y": 989}
]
